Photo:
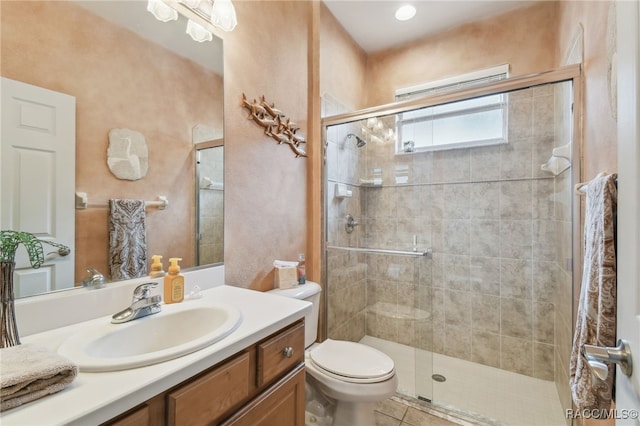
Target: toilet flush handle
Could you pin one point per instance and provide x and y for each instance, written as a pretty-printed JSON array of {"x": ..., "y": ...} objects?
[{"x": 287, "y": 352}]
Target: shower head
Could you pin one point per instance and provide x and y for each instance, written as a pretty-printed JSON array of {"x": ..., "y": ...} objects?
[{"x": 359, "y": 141}]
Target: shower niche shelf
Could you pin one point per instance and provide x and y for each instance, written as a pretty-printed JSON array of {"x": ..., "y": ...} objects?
[
  {"x": 343, "y": 191},
  {"x": 398, "y": 312},
  {"x": 560, "y": 160}
]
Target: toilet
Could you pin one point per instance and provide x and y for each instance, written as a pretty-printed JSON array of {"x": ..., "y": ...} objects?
[{"x": 350, "y": 375}]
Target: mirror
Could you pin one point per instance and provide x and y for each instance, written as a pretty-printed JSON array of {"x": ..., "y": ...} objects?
[
  {"x": 126, "y": 70},
  {"x": 210, "y": 202}
]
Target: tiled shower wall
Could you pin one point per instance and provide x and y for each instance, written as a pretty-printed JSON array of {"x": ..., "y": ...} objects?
[
  {"x": 211, "y": 206},
  {"x": 494, "y": 221}
]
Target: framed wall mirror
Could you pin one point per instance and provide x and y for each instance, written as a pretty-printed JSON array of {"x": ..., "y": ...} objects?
[{"x": 121, "y": 69}]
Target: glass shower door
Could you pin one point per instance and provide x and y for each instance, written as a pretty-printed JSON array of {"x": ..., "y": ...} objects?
[
  {"x": 210, "y": 204},
  {"x": 487, "y": 315},
  {"x": 378, "y": 250}
]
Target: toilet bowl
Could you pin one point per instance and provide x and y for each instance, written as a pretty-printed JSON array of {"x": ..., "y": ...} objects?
[
  {"x": 355, "y": 376},
  {"x": 352, "y": 376}
]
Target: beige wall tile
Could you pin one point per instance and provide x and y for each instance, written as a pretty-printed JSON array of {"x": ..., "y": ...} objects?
[
  {"x": 516, "y": 355},
  {"x": 485, "y": 348}
]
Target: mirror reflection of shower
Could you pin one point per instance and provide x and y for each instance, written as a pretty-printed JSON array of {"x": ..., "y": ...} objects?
[
  {"x": 210, "y": 203},
  {"x": 359, "y": 141}
]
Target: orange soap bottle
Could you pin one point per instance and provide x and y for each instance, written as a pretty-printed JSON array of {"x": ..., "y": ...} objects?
[{"x": 174, "y": 282}]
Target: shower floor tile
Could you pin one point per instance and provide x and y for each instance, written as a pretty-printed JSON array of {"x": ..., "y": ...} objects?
[{"x": 489, "y": 395}]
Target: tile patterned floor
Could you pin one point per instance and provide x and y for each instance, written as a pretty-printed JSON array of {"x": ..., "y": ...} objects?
[{"x": 398, "y": 411}]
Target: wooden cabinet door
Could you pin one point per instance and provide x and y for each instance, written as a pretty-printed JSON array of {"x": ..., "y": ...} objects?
[
  {"x": 280, "y": 405},
  {"x": 211, "y": 396},
  {"x": 150, "y": 413}
]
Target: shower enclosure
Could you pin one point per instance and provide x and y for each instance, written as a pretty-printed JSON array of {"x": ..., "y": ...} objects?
[
  {"x": 449, "y": 243},
  {"x": 210, "y": 202}
]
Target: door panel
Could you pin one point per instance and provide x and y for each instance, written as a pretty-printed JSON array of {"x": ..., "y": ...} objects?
[
  {"x": 38, "y": 179},
  {"x": 628, "y": 253}
]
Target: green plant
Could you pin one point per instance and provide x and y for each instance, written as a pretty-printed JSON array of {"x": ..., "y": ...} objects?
[{"x": 10, "y": 240}]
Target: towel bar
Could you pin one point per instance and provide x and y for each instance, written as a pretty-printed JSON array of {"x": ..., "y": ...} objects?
[
  {"x": 426, "y": 253},
  {"x": 82, "y": 202}
]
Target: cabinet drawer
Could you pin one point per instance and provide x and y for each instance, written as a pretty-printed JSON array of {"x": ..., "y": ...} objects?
[
  {"x": 138, "y": 417},
  {"x": 212, "y": 396},
  {"x": 280, "y": 405},
  {"x": 280, "y": 354}
]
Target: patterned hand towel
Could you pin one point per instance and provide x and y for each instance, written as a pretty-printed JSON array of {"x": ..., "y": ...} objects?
[
  {"x": 29, "y": 372},
  {"x": 596, "y": 321},
  {"x": 127, "y": 239}
]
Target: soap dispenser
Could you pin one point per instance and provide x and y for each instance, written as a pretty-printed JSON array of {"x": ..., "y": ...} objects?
[
  {"x": 174, "y": 282},
  {"x": 156, "y": 267}
]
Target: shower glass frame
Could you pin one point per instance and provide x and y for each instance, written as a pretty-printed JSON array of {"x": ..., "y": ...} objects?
[{"x": 571, "y": 73}]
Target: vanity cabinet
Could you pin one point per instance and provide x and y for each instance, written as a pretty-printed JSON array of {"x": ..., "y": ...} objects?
[
  {"x": 260, "y": 385},
  {"x": 282, "y": 404}
]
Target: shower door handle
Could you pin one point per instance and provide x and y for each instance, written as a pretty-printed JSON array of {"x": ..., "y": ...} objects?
[{"x": 621, "y": 355}]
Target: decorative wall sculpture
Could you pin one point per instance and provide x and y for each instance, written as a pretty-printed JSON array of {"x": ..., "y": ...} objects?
[
  {"x": 127, "y": 155},
  {"x": 275, "y": 124}
]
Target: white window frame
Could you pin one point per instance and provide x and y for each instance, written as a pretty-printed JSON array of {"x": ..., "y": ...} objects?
[{"x": 446, "y": 85}]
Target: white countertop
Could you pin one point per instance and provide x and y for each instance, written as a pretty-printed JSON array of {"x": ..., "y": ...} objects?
[{"x": 93, "y": 398}]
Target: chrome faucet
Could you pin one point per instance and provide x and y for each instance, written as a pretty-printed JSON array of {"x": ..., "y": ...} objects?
[
  {"x": 95, "y": 280},
  {"x": 143, "y": 304}
]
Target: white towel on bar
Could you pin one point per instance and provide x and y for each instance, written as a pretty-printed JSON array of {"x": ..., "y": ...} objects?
[
  {"x": 596, "y": 319},
  {"x": 30, "y": 372},
  {"x": 127, "y": 239}
]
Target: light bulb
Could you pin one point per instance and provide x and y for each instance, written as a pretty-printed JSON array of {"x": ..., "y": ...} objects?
[
  {"x": 198, "y": 32},
  {"x": 223, "y": 15},
  {"x": 162, "y": 11},
  {"x": 406, "y": 12}
]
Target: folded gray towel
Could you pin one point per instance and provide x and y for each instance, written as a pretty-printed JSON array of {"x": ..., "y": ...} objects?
[{"x": 29, "y": 372}]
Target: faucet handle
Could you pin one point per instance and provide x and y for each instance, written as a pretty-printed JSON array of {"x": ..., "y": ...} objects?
[
  {"x": 95, "y": 279},
  {"x": 143, "y": 291}
]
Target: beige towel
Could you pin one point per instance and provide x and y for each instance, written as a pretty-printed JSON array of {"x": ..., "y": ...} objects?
[
  {"x": 127, "y": 239},
  {"x": 596, "y": 320},
  {"x": 29, "y": 372}
]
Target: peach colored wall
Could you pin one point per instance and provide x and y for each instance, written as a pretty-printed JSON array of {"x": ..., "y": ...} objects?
[
  {"x": 119, "y": 80},
  {"x": 524, "y": 38},
  {"x": 342, "y": 63},
  {"x": 599, "y": 123},
  {"x": 266, "y": 206}
]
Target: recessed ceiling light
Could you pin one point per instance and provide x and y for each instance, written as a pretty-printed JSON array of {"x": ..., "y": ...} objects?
[{"x": 406, "y": 12}]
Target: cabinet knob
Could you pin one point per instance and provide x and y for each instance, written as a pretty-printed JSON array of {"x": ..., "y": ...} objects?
[{"x": 287, "y": 352}]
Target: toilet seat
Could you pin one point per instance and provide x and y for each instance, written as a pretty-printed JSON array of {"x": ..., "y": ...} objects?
[{"x": 352, "y": 362}]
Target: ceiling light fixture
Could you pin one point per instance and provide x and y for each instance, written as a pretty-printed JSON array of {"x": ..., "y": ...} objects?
[
  {"x": 204, "y": 16},
  {"x": 223, "y": 15},
  {"x": 406, "y": 12},
  {"x": 198, "y": 32},
  {"x": 162, "y": 11}
]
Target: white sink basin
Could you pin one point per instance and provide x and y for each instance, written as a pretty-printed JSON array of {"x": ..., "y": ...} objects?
[{"x": 175, "y": 331}]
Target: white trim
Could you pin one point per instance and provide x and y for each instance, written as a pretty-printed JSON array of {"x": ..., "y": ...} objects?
[
  {"x": 628, "y": 270},
  {"x": 462, "y": 78}
]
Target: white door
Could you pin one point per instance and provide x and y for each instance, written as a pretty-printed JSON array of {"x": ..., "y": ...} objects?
[
  {"x": 628, "y": 388},
  {"x": 37, "y": 167}
]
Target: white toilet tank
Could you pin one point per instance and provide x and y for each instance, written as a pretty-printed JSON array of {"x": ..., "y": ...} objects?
[{"x": 310, "y": 292}]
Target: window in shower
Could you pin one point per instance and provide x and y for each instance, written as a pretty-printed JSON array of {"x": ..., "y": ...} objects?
[{"x": 473, "y": 122}]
